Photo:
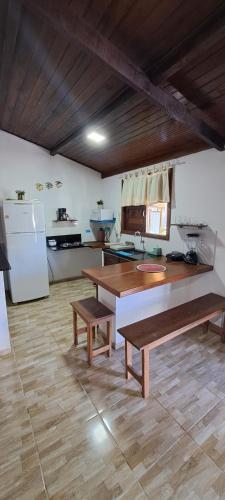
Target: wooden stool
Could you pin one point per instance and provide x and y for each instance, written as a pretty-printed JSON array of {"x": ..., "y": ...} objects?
[{"x": 93, "y": 313}]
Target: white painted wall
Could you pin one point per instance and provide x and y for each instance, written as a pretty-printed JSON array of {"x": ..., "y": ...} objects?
[
  {"x": 199, "y": 194},
  {"x": 23, "y": 164}
]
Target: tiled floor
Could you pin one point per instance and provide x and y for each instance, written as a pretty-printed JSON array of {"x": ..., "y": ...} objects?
[{"x": 72, "y": 432}]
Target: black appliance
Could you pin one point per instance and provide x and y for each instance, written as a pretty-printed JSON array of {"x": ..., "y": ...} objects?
[
  {"x": 175, "y": 256},
  {"x": 64, "y": 241},
  {"x": 62, "y": 215},
  {"x": 191, "y": 257}
]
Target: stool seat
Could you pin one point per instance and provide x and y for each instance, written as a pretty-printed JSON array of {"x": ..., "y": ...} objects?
[
  {"x": 93, "y": 313},
  {"x": 91, "y": 310}
]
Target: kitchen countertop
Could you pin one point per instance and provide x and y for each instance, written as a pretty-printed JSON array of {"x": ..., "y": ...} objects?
[
  {"x": 130, "y": 254},
  {"x": 95, "y": 244},
  {"x": 4, "y": 264},
  {"x": 124, "y": 279}
]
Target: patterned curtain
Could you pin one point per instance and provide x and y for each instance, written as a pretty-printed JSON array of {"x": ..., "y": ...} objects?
[{"x": 144, "y": 189}]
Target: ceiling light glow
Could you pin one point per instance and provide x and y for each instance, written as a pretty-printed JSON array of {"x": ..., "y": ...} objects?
[{"x": 96, "y": 137}]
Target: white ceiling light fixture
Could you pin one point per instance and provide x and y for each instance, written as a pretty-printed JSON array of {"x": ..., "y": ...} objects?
[{"x": 96, "y": 137}]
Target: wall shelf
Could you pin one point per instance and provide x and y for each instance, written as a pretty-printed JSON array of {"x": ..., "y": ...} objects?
[
  {"x": 72, "y": 221},
  {"x": 103, "y": 221},
  {"x": 196, "y": 226}
]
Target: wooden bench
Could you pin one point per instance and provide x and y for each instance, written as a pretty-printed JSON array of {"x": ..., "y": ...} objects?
[
  {"x": 151, "y": 332},
  {"x": 94, "y": 314}
]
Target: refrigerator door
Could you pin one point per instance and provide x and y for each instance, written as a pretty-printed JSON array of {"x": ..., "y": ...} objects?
[
  {"x": 28, "y": 259},
  {"x": 25, "y": 217}
]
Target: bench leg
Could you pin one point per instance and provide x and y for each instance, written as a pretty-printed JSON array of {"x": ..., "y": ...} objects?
[
  {"x": 145, "y": 373},
  {"x": 223, "y": 330},
  {"x": 75, "y": 335},
  {"x": 205, "y": 327},
  {"x": 128, "y": 358},
  {"x": 109, "y": 337},
  {"x": 90, "y": 344}
]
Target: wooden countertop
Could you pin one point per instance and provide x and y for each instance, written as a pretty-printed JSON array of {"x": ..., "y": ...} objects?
[
  {"x": 124, "y": 279},
  {"x": 95, "y": 244}
]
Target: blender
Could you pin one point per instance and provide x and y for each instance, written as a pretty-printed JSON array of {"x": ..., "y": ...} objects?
[{"x": 191, "y": 256}]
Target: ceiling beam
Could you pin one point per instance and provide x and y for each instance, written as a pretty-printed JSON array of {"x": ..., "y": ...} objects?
[
  {"x": 198, "y": 41},
  {"x": 209, "y": 32},
  {"x": 78, "y": 31}
]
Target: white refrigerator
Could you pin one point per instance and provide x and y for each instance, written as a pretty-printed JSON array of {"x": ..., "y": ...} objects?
[{"x": 24, "y": 225}]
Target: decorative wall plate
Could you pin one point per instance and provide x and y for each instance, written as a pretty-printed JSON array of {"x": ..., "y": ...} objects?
[{"x": 151, "y": 268}]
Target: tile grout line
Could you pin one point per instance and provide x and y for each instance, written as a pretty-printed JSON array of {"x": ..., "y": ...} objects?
[{"x": 32, "y": 430}]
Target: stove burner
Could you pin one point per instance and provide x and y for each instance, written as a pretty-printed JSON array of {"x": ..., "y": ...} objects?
[{"x": 70, "y": 244}]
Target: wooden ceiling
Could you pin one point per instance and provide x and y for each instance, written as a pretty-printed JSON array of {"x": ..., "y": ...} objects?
[{"x": 148, "y": 74}]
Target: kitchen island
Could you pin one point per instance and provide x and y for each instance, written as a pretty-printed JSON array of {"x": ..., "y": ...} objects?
[{"x": 134, "y": 295}]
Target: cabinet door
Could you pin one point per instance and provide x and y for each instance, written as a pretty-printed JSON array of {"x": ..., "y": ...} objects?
[{"x": 110, "y": 259}]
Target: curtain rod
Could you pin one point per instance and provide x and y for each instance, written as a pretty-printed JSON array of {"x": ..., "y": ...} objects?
[{"x": 168, "y": 164}]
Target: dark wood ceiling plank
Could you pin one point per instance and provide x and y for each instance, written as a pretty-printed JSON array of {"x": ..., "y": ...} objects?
[
  {"x": 62, "y": 95},
  {"x": 136, "y": 78},
  {"x": 134, "y": 129},
  {"x": 43, "y": 74},
  {"x": 27, "y": 41},
  {"x": 11, "y": 30},
  {"x": 31, "y": 77},
  {"x": 195, "y": 43},
  {"x": 89, "y": 94}
]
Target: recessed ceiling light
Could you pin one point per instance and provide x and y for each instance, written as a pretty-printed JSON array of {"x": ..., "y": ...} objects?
[{"x": 96, "y": 137}]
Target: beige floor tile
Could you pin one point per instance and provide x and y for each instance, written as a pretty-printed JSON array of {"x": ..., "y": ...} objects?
[
  {"x": 144, "y": 431},
  {"x": 209, "y": 433},
  {"x": 184, "y": 473},
  {"x": 186, "y": 399},
  {"x": 85, "y": 462}
]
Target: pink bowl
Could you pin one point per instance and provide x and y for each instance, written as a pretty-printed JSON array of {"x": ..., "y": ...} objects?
[{"x": 151, "y": 268}]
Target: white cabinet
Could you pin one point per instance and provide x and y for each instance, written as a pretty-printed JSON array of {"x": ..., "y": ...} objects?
[{"x": 65, "y": 264}]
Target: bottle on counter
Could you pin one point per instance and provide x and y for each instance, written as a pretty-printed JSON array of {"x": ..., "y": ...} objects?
[{"x": 101, "y": 234}]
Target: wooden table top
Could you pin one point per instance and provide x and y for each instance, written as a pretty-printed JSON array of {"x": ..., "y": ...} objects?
[{"x": 124, "y": 279}]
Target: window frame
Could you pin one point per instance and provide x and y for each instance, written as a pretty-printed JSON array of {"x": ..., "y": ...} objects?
[{"x": 168, "y": 222}]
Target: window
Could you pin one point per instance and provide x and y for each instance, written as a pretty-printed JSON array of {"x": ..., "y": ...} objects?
[
  {"x": 156, "y": 219},
  {"x": 153, "y": 221}
]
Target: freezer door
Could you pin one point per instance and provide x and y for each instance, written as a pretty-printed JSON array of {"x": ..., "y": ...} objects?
[
  {"x": 29, "y": 273},
  {"x": 23, "y": 217}
]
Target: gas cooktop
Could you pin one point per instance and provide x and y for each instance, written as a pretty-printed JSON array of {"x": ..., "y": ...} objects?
[
  {"x": 64, "y": 241},
  {"x": 70, "y": 244}
]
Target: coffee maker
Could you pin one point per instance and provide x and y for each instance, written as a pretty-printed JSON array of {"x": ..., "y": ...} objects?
[{"x": 62, "y": 215}]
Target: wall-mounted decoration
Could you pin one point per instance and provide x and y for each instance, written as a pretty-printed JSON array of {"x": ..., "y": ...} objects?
[
  {"x": 48, "y": 185},
  {"x": 39, "y": 186},
  {"x": 58, "y": 184},
  {"x": 20, "y": 195}
]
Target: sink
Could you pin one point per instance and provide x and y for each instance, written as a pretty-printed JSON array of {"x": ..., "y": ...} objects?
[{"x": 130, "y": 253}]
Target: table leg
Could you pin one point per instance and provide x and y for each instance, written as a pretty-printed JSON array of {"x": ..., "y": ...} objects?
[
  {"x": 109, "y": 337},
  {"x": 145, "y": 373},
  {"x": 128, "y": 358},
  {"x": 75, "y": 336},
  {"x": 90, "y": 343}
]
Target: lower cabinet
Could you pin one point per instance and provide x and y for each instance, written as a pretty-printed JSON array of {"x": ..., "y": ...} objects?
[
  {"x": 110, "y": 259},
  {"x": 66, "y": 264}
]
